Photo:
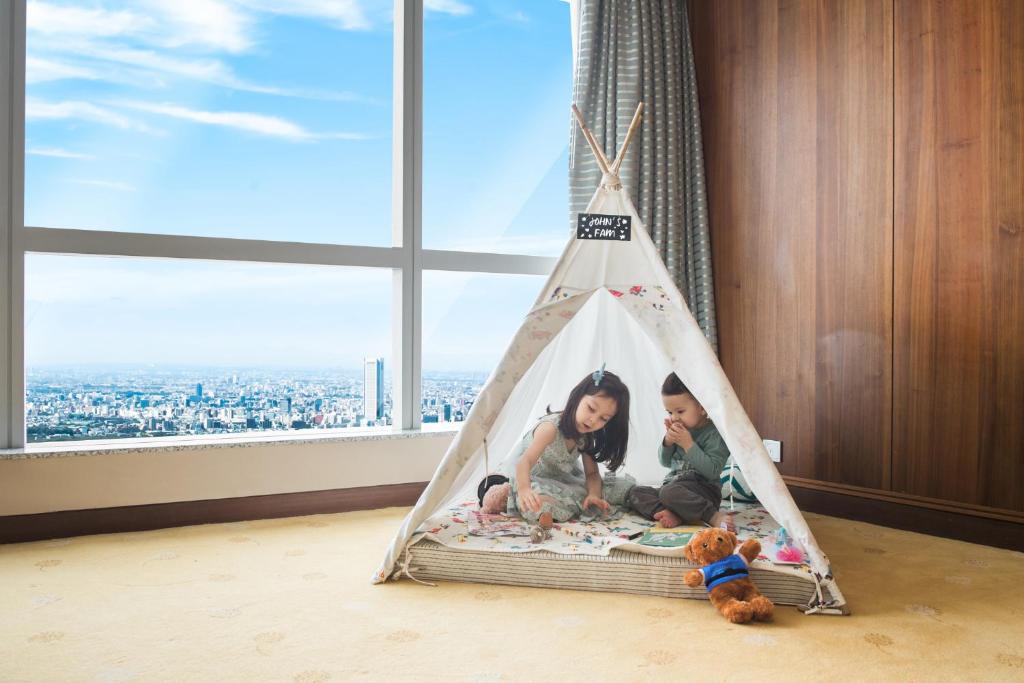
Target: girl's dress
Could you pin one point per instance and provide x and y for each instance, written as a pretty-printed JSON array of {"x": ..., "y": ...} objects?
[{"x": 559, "y": 475}]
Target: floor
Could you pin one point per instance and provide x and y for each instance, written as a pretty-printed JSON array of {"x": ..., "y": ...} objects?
[{"x": 291, "y": 600}]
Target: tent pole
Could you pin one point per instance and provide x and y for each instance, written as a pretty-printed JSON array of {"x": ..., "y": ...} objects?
[
  {"x": 633, "y": 127},
  {"x": 602, "y": 161}
]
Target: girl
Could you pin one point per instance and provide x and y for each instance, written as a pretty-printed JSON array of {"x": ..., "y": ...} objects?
[{"x": 548, "y": 485}]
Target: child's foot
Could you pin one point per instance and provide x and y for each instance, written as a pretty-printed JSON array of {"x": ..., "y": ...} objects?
[
  {"x": 545, "y": 521},
  {"x": 496, "y": 499},
  {"x": 667, "y": 519},
  {"x": 722, "y": 520}
]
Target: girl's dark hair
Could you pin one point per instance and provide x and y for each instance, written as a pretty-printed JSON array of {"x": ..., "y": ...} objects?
[
  {"x": 608, "y": 444},
  {"x": 673, "y": 386}
]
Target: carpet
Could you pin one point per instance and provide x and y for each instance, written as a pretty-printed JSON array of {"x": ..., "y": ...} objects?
[{"x": 291, "y": 600}]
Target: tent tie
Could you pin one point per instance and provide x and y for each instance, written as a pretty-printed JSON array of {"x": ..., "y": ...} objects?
[
  {"x": 817, "y": 601},
  {"x": 732, "y": 484},
  {"x": 487, "y": 466},
  {"x": 406, "y": 569}
]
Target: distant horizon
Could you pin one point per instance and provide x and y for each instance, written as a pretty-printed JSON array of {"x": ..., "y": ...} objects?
[{"x": 232, "y": 368}]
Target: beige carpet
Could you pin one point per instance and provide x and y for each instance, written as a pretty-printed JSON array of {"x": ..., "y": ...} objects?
[{"x": 290, "y": 600}]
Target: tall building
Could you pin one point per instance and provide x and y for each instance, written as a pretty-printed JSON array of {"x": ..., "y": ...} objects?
[
  {"x": 373, "y": 389},
  {"x": 199, "y": 390}
]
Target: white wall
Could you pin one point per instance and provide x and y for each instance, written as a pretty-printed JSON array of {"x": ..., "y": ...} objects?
[{"x": 181, "y": 473}]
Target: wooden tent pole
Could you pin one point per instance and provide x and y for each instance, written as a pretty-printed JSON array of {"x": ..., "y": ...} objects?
[
  {"x": 633, "y": 127},
  {"x": 602, "y": 162}
]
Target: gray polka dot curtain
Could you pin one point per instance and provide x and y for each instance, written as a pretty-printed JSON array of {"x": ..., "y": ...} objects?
[{"x": 633, "y": 50}]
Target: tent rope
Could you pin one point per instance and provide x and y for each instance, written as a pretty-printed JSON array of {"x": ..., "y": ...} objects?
[{"x": 407, "y": 569}]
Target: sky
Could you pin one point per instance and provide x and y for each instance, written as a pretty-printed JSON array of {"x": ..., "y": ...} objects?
[{"x": 271, "y": 120}]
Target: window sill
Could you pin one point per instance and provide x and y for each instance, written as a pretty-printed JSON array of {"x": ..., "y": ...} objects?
[{"x": 197, "y": 443}]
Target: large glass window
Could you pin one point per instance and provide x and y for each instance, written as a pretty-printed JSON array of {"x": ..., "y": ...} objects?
[
  {"x": 249, "y": 119},
  {"x": 272, "y": 124},
  {"x": 468, "y": 321},
  {"x": 120, "y": 347},
  {"x": 496, "y": 95}
]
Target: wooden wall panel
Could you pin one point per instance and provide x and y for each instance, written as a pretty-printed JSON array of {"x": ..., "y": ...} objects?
[
  {"x": 797, "y": 113},
  {"x": 959, "y": 245}
]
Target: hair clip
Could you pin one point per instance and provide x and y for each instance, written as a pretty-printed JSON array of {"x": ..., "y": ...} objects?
[{"x": 598, "y": 375}]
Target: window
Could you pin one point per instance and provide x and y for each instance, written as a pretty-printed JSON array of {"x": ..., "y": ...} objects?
[
  {"x": 496, "y": 94},
  {"x": 468, "y": 321},
  {"x": 213, "y": 238},
  {"x": 224, "y": 119},
  {"x": 119, "y": 347}
]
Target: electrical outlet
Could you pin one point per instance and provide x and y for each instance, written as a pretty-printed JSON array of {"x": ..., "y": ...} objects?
[{"x": 774, "y": 449}]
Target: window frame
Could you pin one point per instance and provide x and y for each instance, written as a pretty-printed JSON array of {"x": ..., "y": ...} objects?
[{"x": 406, "y": 258}]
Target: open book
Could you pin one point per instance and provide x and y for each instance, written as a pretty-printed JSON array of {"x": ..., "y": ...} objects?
[{"x": 676, "y": 537}]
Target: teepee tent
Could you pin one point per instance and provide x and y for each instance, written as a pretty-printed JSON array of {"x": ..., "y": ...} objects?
[{"x": 610, "y": 300}]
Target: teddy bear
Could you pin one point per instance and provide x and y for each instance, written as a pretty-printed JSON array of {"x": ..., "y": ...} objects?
[{"x": 724, "y": 572}]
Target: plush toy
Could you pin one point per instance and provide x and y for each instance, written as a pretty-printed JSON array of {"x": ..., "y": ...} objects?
[{"x": 725, "y": 574}]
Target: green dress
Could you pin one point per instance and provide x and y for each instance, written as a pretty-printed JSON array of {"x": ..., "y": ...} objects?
[{"x": 559, "y": 475}]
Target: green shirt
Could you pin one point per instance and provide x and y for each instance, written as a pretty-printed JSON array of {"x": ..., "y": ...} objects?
[{"x": 706, "y": 457}]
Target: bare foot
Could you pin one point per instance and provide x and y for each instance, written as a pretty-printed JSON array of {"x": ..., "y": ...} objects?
[
  {"x": 722, "y": 520},
  {"x": 667, "y": 519}
]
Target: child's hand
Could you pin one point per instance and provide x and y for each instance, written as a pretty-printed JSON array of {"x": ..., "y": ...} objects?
[
  {"x": 678, "y": 434},
  {"x": 529, "y": 500},
  {"x": 596, "y": 501}
]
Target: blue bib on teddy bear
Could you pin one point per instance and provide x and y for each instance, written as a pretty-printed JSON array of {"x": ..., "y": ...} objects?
[{"x": 731, "y": 568}]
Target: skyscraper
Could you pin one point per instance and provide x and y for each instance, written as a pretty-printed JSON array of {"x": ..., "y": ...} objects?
[{"x": 373, "y": 389}]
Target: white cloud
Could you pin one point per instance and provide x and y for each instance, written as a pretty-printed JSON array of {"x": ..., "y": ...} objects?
[
  {"x": 50, "y": 19},
  {"x": 210, "y": 70},
  {"x": 210, "y": 24},
  {"x": 86, "y": 111},
  {"x": 344, "y": 14},
  {"x": 105, "y": 184},
  {"x": 205, "y": 24},
  {"x": 448, "y": 7},
  {"x": 261, "y": 124},
  {"x": 41, "y": 70},
  {"x": 140, "y": 66},
  {"x": 57, "y": 152}
]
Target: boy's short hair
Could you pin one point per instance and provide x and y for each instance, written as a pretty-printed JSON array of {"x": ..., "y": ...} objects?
[{"x": 673, "y": 386}]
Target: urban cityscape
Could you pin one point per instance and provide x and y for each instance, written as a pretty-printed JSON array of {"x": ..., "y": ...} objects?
[{"x": 109, "y": 402}]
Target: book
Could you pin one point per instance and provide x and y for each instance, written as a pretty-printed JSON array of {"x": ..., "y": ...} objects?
[{"x": 676, "y": 537}]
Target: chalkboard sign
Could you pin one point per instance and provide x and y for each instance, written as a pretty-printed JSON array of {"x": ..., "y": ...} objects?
[{"x": 599, "y": 226}]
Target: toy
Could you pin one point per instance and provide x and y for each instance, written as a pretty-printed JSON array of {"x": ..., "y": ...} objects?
[
  {"x": 726, "y": 576},
  {"x": 786, "y": 551}
]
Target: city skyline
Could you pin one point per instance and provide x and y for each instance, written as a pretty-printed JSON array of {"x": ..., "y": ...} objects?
[{"x": 82, "y": 405}]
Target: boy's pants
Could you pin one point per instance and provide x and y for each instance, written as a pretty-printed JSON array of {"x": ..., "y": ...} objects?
[{"x": 690, "y": 496}]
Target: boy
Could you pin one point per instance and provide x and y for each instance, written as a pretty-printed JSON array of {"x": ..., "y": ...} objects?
[{"x": 695, "y": 454}]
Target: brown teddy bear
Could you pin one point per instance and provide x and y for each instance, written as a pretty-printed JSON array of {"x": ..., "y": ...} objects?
[{"x": 725, "y": 575}]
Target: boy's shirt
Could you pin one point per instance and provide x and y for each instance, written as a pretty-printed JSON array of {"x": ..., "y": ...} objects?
[{"x": 707, "y": 456}]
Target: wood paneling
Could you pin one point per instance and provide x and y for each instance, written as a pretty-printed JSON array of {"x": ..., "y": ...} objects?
[
  {"x": 796, "y": 104},
  {"x": 909, "y": 515},
  {"x": 959, "y": 245}
]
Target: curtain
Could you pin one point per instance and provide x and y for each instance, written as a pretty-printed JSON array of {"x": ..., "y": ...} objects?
[{"x": 626, "y": 51}]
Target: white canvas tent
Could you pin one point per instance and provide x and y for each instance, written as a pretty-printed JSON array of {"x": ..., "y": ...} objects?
[{"x": 613, "y": 302}]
